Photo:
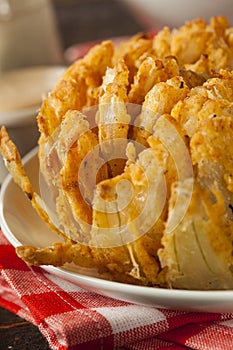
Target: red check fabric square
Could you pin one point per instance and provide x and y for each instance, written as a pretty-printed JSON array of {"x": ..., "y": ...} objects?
[{"x": 71, "y": 317}]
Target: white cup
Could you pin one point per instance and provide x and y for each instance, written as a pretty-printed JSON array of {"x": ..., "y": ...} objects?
[
  {"x": 174, "y": 13},
  {"x": 28, "y": 34}
]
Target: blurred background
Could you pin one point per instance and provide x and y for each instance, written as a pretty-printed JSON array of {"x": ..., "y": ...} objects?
[{"x": 87, "y": 20}]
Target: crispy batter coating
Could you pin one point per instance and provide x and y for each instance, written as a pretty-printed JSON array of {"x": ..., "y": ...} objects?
[
  {"x": 159, "y": 100},
  {"x": 14, "y": 165},
  {"x": 150, "y": 72},
  {"x": 131, "y": 51},
  {"x": 57, "y": 255},
  {"x": 198, "y": 43},
  {"x": 75, "y": 88},
  {"x": 147, "y": 198}
]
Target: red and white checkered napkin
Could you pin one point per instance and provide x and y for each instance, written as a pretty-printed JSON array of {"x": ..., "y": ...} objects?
[{"x": 73, "y": 318}]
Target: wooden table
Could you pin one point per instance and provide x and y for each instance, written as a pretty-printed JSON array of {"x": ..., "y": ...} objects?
[{"x": 78, "y": 21}]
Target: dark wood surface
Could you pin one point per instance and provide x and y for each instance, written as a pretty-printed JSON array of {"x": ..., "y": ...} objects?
[
  {"x": 18, "y": 334},
  {"x": 78, "y": 21}
]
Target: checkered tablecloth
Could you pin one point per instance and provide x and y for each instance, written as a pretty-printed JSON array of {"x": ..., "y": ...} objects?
[{"x": 73, "y": 318}]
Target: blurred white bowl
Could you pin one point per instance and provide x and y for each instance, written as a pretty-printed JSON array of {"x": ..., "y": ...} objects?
[
  {"x": 174, "y": 13},
  {"x": 21, "y": 94}
]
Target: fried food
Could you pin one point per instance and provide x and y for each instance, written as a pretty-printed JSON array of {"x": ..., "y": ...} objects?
[
  {"x": 14, "y": 165},
  {"x": 198, "y": 45},
  {"x": 135, "y": 150}
]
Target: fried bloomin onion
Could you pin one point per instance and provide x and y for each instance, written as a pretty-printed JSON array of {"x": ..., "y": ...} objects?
[{"x": 136, "y": 148}]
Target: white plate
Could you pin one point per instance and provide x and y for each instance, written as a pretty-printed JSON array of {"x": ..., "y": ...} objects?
[{"x": 21, "y": 225}]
